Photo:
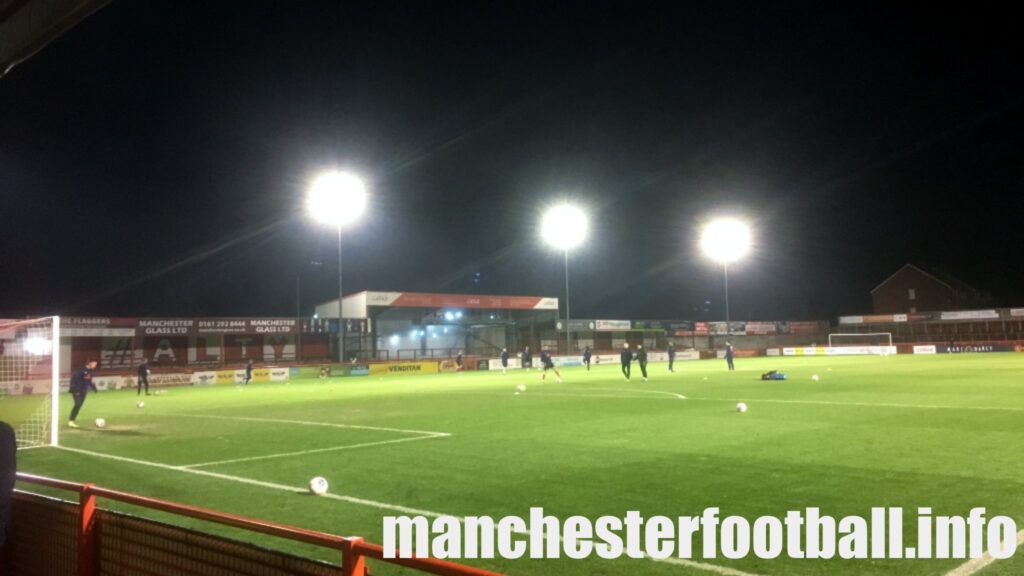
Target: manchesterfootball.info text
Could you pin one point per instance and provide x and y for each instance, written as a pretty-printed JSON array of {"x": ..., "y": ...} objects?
[{"x": 804, "y": 534}]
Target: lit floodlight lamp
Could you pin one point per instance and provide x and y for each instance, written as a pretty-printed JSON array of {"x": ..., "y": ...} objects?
[
  {"x": 564, "y": 226},
  {"x": 394, "y": 339},
  {"x": 37, "y": 346},
  {"x": 336, "y": 198},
  {"x": 449, "y": 316},
  {"x": 725, "y": 240}
]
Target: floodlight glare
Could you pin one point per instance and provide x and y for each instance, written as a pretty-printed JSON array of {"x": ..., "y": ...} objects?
[
  {"x": 336, "y": 198},
  {"x": 564, "y": 226},
  {"x": 725, "y": 240},
  {"x": 37, "y": 346}
]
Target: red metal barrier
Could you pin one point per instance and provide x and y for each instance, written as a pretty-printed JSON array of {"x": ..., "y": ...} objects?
[{"x": 354, "y": 551}]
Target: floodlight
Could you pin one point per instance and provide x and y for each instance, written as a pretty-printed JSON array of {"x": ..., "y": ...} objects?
[
  {"x": 336, "y": 198},
  {"x": 725, "y": 240},
  {"x": 564, "y": 226},
  {"x": 37, "y": 346},
  {"x": 449, "y": 316},
  {"x": 394, "y": 339}
]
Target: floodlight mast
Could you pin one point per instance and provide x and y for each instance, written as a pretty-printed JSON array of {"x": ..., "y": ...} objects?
[
  {"x": 564, "y": 227},
  {"x": 725, "y": 240},
  {"x": 337, "y": 199}
]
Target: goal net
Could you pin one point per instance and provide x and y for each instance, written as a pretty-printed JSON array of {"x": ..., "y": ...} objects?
[
  {"x": 862, "y": 339},
  {"x": 30, "y": 379}
]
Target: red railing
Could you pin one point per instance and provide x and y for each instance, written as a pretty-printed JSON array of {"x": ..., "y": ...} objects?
[{"x": 354, "y": 550}]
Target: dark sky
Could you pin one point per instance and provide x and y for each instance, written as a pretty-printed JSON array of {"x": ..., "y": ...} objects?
[{"x": 153, "y": 159}]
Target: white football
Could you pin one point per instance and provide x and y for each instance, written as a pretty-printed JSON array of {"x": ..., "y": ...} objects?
[
  {"x": 100, "y": 422},
  {"x": 140, "y": 404},
  {"x": 318, "y": 485},
  {"x": 741, "y": 407},
  {"x": 815, "y": 377},
  {"x": 521, "y": 387}
]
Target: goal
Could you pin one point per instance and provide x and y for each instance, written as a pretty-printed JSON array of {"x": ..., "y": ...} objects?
[
  {"x": 860, "y": 339},
  {"x": 30, "y": 379}
]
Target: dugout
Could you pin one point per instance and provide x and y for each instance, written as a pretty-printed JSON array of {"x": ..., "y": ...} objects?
[{"x": 415, "y": 325}]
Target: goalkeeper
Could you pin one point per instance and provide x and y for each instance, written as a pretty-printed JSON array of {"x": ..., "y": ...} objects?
[{"x": 81, "y": 382}]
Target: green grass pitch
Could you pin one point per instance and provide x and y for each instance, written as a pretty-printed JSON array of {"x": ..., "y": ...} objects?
[{"x": 939, "y": 431}]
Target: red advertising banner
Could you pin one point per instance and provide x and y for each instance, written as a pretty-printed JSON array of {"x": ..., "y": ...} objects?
[
  {"x": 804, "y": 327},
  {"x": 166, "y": 350},
  {"x": 242, "y": 347},
  {"x": 760, "y": 328}
]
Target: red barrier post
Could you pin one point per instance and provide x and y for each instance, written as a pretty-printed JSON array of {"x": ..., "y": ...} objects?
[
  {"x": 352, "y": 562},
  {"x": 87, "y": 531}
]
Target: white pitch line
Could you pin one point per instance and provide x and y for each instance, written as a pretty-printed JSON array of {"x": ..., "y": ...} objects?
[
  {"x": 306, "y": 423},
  {"x": 673, "y": 394},
  {"x": 975, "y": 565},
  {"x": 862, "y": 404},
  {"x": 714, "y": 568},
  {"x": 315, "y": 451}
]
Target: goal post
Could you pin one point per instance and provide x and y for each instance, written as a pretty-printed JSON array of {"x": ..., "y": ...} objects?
[
  {"x": 30, "y": 379},
  {"x": 860, "y": 339}
]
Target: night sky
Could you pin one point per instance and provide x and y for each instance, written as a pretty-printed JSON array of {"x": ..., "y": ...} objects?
[{"x": 153, "y": 159}]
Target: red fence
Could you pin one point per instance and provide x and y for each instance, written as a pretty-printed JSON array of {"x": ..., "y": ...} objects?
[{"x": 89, "y": 552}]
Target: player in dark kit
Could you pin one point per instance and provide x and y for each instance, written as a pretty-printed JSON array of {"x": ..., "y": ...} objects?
[
  {"x": 81, "y": 383},
  {"x": 458, "y": 361},
  {"x": 671, "y": 356},
  {"x": 143, "y": 378},
  {"x": 586, "y": 357},
  {"x": 728, "y": 356},
  {"x": 527, "y": 358},
  {"x": 504, "y": 360},
  {"x": 626, "y": 358},
  {"x": 248, "y": 371},
  {"x": 545, "y": 359},
  {"x": 641, "y": 358}
]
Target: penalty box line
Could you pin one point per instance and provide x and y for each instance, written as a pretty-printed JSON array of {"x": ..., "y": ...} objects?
[
  {"x": 693, "y": 564},
  {"x": 314, "y": 451},
  {"x": 306, "y": 423},
  {"x": 420, "y": 435}
]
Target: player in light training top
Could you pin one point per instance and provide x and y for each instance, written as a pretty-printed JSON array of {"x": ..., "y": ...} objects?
[
  {"x": 586, "y": 357},
  {"x": 626, "y": 358},
  {"x": 728, "y": 356},
  {"x": 143, "y": 378},
  {"x": 504, "y": 360},
  {"x": 641, "y": 359},
  {"x": 248, "y": 371},
  {"x": 545, "y": 359},
  {"x": 81, "y": 383},
  {"x": 671, "y": 356}
]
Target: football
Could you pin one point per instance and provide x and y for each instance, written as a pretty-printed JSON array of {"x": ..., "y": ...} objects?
[
  {"x": 100, "y": 422},
  {"x": 815, "y": 377},
  {"x": 521, "y": 388},
  {"x": 318, "y": 485},
  {"x": 140, "y": 404},
  {"x": 741, "y": 407}
]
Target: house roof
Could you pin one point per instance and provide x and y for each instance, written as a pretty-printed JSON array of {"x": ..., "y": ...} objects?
[{"x": 939, "y": 276}]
